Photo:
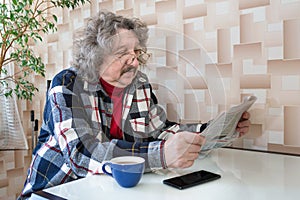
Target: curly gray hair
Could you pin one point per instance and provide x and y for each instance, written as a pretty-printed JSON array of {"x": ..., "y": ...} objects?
[{"x": 96, "y": 41}]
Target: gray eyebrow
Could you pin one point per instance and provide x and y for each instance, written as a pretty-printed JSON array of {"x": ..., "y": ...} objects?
[{"x": 123, "y": 49}]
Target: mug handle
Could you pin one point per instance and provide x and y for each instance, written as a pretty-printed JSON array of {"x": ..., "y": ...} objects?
[{"x": 104, "y": 170}]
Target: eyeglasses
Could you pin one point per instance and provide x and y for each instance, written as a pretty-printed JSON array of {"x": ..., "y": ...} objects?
[{"x": 139, "y": 54}]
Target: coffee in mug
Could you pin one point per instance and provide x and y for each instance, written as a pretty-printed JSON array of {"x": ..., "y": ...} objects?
[{"x": 126, "y": 170}]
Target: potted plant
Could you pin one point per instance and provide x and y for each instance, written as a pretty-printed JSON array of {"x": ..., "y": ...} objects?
[{"x": 22, "y": 23}]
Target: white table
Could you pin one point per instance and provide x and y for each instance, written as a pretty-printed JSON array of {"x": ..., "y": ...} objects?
[{"x": 245, "y": 175}]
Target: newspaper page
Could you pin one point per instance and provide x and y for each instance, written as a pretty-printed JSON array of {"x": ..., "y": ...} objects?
[{"x": 221, "y": 131}]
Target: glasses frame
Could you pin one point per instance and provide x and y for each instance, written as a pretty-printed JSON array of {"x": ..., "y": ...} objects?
[{"x": 140, "y": 54}]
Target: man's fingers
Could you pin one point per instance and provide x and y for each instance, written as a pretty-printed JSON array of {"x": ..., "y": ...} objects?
[
  {"x": 246, "y": 115},
  {"x": 182, "y": 149},
  {"x": 193, "y": 138},
  {"x": 194, "y": 148},
  {"x": 242, "y": 124}
]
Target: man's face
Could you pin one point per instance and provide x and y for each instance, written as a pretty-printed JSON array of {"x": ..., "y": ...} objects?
[{"x": 120, "y": 68}]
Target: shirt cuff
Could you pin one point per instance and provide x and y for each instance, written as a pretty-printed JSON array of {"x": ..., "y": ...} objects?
[{"x": 156, "y": 156}]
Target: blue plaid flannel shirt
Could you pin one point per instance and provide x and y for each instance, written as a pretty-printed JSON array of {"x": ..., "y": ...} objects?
[{"x": 75, "y": 139}]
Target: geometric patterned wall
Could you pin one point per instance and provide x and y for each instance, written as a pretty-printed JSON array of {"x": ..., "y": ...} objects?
[{"x": 206, "y": 55}]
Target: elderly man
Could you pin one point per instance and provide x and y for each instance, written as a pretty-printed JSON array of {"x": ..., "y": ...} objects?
[{"x": 103, "y": 107}]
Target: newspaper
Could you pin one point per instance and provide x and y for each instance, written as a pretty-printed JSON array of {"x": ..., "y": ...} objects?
[{"x": 221, "y": 131}]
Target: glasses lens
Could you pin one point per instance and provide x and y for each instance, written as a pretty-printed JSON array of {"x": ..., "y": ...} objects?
[
  {"x": 143, "y": 57},
  {"x": 139, "y": 54}
]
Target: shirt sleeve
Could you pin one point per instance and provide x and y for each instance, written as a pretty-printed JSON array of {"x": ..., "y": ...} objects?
[
  {"x": 79, "y": 142},
  {"x": 152, "y": 152}
]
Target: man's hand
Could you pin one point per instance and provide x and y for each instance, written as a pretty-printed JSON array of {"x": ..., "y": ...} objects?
[
  {"x": 182, "y": 149},
  {"x": 244, "y": 124}
]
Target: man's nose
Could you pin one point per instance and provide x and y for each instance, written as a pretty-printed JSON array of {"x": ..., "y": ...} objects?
[{"x": 133, "y": 61}]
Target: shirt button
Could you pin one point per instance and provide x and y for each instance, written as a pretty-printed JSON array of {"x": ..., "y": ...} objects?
[{"x": 142, "y": 79}]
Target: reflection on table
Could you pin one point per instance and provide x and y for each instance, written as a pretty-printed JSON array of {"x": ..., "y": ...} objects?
[{"x": 245, "y": 175}]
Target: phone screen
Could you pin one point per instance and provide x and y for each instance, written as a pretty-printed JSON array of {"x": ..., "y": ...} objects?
[{"x": 192, "y": 179}]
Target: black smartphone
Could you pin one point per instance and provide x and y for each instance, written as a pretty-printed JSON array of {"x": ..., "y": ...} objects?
[{"x": 192, "y": 179}]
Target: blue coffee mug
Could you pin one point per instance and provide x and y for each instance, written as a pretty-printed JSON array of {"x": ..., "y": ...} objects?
[{"x": 126, "y": 170}]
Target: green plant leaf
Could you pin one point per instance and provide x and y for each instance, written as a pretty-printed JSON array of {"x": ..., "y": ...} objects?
[
  {"x": 54, "y": 17},
  {"x": 21, "y": 22},
  {"x": 15, "y": 2}
]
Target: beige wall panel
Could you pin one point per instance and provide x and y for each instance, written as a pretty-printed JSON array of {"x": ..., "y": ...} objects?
[
  {"x": 108, "y": 5},
  {"x": 125, "y": 12},
  {"x": 165, "y": 6},
  {"x": 128, "y": 4},
  {"x": 52, "y": 53},
  {"x": 238, "y": 143},
  {"x": 150, "y": 19},
  {"x": 227, "y": 18},
  {"x": 94, "y": 7},
  {"x": 195, "y": 83},
  {"x": 65, "y": 40},
  {"x": 2, "y": 170},
  {"x": 205, "y": 113},
  {"x": 165, "y": 73},
  {"x": 172, "y": 112},
  {"x": 215, "y": 85},
  {"x": 245, "y": 4},
  {"x": 261, "y": 142},
  {"x": 278, "y": 96},
  {"x": 191, "y": 108},
  {"x": 252, "y": 50},
  {"x": 50, "y": 71},
  {"x": 3, "y": 183},
  {"x": 290, "y": 10},
  {"x": 76, "y": 14},
  {"x": 15, "y": 172},
  {"x": 258, "y": 114},
  {"x": 19, "y": 159},
  {"x": 283, "y": 148},
  {"x": 255, "y": 131},
  {"x": 289, "y": 97},
  {"x": 171, "y": 51},
  {"x": 262, "y": 81},
  {"x": 9, "y": 159},
  {"x": 52, "y": 38},
  {"x": 224, "y": 46},
  {"x": 273, "y": 123},
  {"x": 192, "y": 38},
  {"x": 191, "y": 56},
  {"x": 194, "y": 11},
  {"x": 292, "y": 125},
  {"x": 274, "y": 97},
  {"x": 209, "y": 105},
  {"x": 274, "y": 38},
  {"x": 284, "y": 67},
  {"x": 167, "y": 93},
  {"x": 273, "y": 11},
  {"x": 291, "y": 32},
  {"x": 251, "y": 31},
  {"x": 210, "y": 45},
  {"x": 225, "y": 70},
  {"x": 246, "y": 28},
  {"x": 224, "y": 21}
]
